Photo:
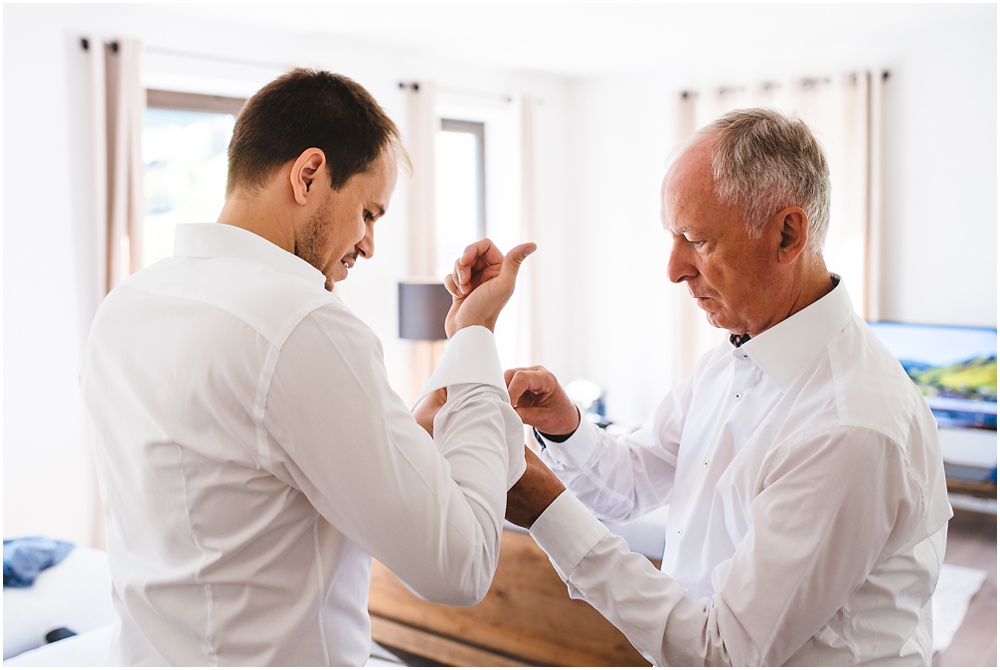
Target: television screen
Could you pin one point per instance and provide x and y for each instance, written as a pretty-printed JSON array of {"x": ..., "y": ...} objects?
[{"x": 954, "y": 367}]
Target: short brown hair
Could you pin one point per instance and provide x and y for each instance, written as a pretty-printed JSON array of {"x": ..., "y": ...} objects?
[{"x": 303, "y": 109}]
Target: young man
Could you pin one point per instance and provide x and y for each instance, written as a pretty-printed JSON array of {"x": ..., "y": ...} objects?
[
  {"x": 808, "y": 509},
  {"x": 251, "y": 455}
]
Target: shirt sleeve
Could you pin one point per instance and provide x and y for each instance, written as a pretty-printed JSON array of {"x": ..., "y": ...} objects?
[
  {"x": 829, "y": 509},
  {"x": 430, "y": 510},
  {"x": 620, "y": 479}
]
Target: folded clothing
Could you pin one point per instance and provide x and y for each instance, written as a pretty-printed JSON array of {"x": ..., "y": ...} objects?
[{"x": 25, "y": 557}]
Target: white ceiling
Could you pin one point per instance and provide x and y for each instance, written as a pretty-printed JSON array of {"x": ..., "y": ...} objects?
[{"x": 584, "y": 39}]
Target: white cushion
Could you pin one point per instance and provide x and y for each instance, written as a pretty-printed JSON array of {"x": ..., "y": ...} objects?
[
  {"x": 90, "y": 649},
  {"x": 74, "y": 594}
]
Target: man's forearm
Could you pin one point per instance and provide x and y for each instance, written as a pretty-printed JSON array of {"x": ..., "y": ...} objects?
[{"x": 665, "y": 624}]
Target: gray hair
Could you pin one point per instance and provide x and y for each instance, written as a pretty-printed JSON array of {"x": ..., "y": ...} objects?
[{"x": 763, "y": 162}]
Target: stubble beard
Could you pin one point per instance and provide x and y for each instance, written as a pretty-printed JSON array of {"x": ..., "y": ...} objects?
[{"x": 313, "y": 240}]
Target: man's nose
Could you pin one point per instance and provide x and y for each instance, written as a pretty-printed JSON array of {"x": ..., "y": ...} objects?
[
  {"x": 679, "y": 266},
  {"x": 366, "y": 247}
]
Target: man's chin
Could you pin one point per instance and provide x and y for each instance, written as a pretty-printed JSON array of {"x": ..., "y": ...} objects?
[
  {"x": 714, "y": 319},
  {"x": 338, "y": 273}
]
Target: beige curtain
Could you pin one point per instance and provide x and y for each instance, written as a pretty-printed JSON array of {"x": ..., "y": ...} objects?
[
  {"x": 125, "y": 102},
  {"x": 527, "y": 352},
  {"x": 843, "y": 112},
  {"x": 117, "y": 101},
  {"x": 422, "y": 127}
]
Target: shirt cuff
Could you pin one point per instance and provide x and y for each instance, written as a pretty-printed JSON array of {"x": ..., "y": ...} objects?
[
  {"x": 567, "y": 532},
  {"x": 470, "y": 358},
  {"x": 576, "y": 450}
]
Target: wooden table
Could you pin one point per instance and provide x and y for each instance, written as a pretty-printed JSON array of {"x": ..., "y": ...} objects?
[{"x": 526, "y": 618}]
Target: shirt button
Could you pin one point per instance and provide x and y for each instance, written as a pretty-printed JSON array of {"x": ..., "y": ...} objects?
[
  {"x": 706, "y": 464},
  {"x": 738, "y": 395}
]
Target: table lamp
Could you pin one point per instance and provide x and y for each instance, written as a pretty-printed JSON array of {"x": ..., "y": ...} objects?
[{"x": 423, "y": 307}]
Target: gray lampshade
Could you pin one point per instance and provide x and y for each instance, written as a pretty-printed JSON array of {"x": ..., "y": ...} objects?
[{"x": 422, "y": 310}]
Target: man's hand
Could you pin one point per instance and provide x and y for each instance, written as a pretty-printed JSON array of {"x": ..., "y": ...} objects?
[
  {"x": 481, "y": 284},
  {"x": 533, "y": 492},
  {"x": 428, "y": 407},
  {"x": 540, "y": 401}
]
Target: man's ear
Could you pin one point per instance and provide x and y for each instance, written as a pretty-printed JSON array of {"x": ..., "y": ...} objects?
[
  {"x": 794, "y": 225},
  {"x": 306, "y": 169}
]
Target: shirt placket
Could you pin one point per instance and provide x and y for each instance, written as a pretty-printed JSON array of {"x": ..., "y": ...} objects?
[{"x": 689, "y": 530}]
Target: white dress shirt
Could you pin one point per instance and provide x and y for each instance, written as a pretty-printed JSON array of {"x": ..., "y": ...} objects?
[
  {"x": 808, "y": 508},
  {"x": 252, "y": 459}
]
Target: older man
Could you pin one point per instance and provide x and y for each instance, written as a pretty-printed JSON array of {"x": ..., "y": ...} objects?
[
  {"x": 808, "y": 509},
  {"x": 251, "y": 454}
]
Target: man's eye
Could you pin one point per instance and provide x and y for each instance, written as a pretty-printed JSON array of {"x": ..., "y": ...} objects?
[
  {"x": 369, "y": 216},
  {"x": 695, "y": 243}
]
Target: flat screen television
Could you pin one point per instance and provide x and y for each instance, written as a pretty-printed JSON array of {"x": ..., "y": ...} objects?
[{"x": 954, "y": 367}]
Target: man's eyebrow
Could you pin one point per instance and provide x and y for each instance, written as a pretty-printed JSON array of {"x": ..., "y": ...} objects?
[{"x": 682, "y": 230}]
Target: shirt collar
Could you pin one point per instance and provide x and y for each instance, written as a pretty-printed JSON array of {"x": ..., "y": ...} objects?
[
  {"x": 783, "y": 350},
  {"x": 214, "y": 240}
]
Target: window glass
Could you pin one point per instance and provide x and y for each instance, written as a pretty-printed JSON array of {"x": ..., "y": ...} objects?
[
  {"x": 459, "y": 190},
  {"x": 185, "y": 173}
]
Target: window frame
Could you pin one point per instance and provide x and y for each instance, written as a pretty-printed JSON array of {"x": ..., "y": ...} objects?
[{"x": 193, "y": 102}]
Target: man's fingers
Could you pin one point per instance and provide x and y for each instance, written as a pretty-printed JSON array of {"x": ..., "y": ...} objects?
[
  {"x": 509, "y": 374},
  {"x": 461, "y": 274},
  {"x": 484, "y": 249},
  {"x": 449, "y": 283},
  {"x": 512, "y": 261},
  {"x": 524, "y": 382},
  {"x": 516, "y": 386},
  {"x": 484, "y": 261},
  {"x": 476, "y": 256},
  {"x": 530, "y": 415}
]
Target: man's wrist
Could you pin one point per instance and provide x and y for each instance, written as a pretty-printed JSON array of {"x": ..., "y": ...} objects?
[
  {"x": 562, "y": 438},
  {"x": 488, "y": 324}
]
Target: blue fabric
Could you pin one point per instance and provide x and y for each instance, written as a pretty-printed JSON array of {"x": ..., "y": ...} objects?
[{"x": 25, "y": 557}]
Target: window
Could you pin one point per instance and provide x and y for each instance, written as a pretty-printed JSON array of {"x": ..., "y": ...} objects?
[
  {"x": 185, "y": 137},
  {"x": 460, "y": 183}
]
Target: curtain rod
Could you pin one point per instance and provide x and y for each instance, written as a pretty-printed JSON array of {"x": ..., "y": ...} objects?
[
  {"x": 805, "y": 80},
  {"x": 501, "y": 97},
  {"x": 221, "y": 59},
  {"x": 85, "y": 43}
]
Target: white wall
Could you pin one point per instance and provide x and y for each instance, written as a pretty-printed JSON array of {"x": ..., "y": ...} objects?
[
  {"x": 44, "y": 296},
  {"x": 939, "y": 247},
  {"x": 623, "y": 314},
  {"x": 939, "y": 238},
  {"x": 49, "y": 269}
]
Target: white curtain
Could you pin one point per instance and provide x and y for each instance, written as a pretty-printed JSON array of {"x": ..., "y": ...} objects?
[{"x": 843, "y": 112}]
